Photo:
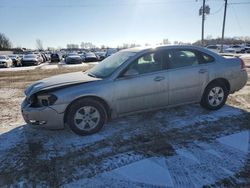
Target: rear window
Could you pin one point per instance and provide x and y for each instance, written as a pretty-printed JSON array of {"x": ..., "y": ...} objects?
[
  {"x": 54, "y": 55},
  {"x": 74, "y": 57},
  {"x": 212, "y": 47}
]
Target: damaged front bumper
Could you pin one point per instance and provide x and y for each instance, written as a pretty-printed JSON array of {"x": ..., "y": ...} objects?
[{"x": 47, "y": 116}]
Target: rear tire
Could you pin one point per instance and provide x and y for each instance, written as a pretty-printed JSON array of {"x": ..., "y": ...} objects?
[
  {"x": 86, "y": 116},
  {"x": 214, "y": 96}
]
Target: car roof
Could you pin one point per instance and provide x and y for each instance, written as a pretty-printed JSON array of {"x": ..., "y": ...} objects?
[
  {"x": 145, "y": 48},
  {"x": 151, "y": 48}
]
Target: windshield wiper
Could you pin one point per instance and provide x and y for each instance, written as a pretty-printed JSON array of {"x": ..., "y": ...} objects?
[{"x": 92, "y": 75}]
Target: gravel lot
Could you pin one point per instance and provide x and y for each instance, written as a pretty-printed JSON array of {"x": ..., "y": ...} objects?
[{"x": 179, "y": 147}]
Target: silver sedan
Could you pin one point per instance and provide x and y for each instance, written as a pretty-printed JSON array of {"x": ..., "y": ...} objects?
[{"x": 131, "y": 81}]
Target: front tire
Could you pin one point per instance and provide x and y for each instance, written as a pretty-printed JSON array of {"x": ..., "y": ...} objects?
[
  {"x": 214, "y": 96},
  {"x": 86, "y": 116}
]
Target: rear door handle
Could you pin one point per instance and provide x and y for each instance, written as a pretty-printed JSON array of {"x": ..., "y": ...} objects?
[
  {"x": 159, "y": 78},
  {"x": 201, "y": 71}
]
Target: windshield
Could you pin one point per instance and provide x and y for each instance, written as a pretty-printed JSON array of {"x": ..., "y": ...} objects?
[
  {"x": 110, "y": 64},
  {"x": 2, "y": 57},
  {"x": 74, "y": 57},
  {"x": 30, "y": 56}
]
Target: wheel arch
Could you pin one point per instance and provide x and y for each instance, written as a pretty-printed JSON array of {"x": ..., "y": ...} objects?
[
  {"x": 219, "y": 80},
  {"x": 97, "y": 98}
]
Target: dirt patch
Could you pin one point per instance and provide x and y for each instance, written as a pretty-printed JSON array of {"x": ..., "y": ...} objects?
[{"x": 21, "y": 79}]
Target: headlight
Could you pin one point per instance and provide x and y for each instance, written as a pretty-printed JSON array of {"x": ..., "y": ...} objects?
[{"x": 46, "y": 99}]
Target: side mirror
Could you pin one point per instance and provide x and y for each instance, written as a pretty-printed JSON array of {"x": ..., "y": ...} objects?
[{"x": 131, "y": 73}]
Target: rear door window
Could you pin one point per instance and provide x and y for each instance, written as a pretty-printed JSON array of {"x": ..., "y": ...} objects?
[{"x": 181, "y": 58}]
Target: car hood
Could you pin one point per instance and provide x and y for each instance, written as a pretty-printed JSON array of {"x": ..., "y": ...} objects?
[
  {"x": 3, "y": 60},
  {"x": 59, "y": 81}
]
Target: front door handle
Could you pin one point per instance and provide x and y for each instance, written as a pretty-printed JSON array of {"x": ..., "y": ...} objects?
[
  {"x": 159, "y": 78},
  {"x": 201, "y": 71}
]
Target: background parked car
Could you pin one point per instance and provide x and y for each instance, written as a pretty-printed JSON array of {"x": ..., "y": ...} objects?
[
  {"x": 237, "y": 49},
  {"x": 111, "y": 51},
  {"x": 247, "y": 49},
  {"x": 217, "y": 48},
  {"x": 230, "y": 50},
  {"x": 55, "y": 57},
  {"x": 47, "y": 56},
  {"x": 31, "y": 59},
  {"x": 20, "y": 56},
  {"x": 39, "y": 57},
  {"x": 100, "y": 55},
  {"x": 5, "y": 61},
  {"x": 44, "y": 57},
  {"x": 214, "y": 48},
  {"x": 90, "y": 57},
  {"x": 16, "y": 60},
  {"x": 73, "y": 59}
]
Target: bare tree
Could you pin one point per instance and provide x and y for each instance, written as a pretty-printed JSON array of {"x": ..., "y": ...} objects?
[
  {"x": 4, "y": 42},
  {"x": 87, "y": 45},
  {"x": 165, "y": 41},
  {"x": 39, "y": 44}
]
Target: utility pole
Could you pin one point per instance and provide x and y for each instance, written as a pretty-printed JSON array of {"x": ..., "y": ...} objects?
[
  {"x": 223, "y": 27},
  {"x": 203, "y": 11},
  {"x": 203, "y": 20}
]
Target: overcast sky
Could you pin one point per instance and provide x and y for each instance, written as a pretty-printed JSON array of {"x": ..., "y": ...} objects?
[{"x": 114, "y": 22}]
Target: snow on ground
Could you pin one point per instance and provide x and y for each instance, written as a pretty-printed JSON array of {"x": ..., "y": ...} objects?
[
  {"x": 195, "y": 166},
  {"x": 47, "y": 65},
  {"x": 167, "y": 120},
  {"x": 112, "y": 156},
  {"x": 238, "y": 141},
  {"x": 152, "y": 171},
  {"x": 247, "y": 56}
]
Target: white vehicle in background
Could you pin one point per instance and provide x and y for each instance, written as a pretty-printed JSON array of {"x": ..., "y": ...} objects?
[
  {"x": 16, "y": 60},
  {"x": 5, "y": 61},
  {"x": 214, "y": 48},
  {"x": 235, "y": 49},
  {"x": 30, "y": 59},
  {"x": 230, "y": 50},
  {"x": 39, "y": 57},
  {"x": 217, "y": 48}
]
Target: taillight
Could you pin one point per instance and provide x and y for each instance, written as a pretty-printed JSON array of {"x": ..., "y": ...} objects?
[{"x": 243, "y": 65}]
